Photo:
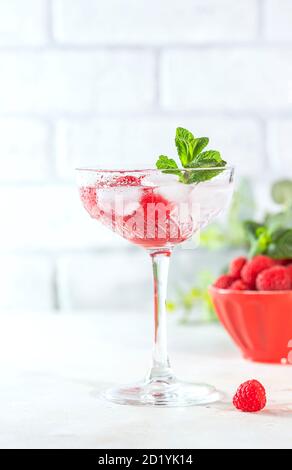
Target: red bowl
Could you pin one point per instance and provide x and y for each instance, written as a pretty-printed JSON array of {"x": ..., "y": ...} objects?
[{"x": 260, "y": 323}]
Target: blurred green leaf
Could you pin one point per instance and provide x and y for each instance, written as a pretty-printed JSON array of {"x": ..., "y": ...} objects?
[
  {"x": 282, "y": 192},
  {"x": 279, "y": 220},
  {"x": 195, "y": 298},
  {"x": 170, "y": 306},
  {"x": 281, "y": 244},
  {"x": 213, "y": 237}
]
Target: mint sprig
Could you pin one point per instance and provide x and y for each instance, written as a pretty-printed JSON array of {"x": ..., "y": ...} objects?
[
  {"x": 191, "y": 155},
  {"x": 273, "y": 236},
  {"x": 168, "y": 165},
  {"x": 268, "y": 240}
]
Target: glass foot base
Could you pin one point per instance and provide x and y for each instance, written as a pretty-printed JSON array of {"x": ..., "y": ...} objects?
[{"x": 159, "y": 393}]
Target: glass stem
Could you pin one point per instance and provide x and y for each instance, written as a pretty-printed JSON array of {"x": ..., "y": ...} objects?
[{"x": 160, "y": 370}]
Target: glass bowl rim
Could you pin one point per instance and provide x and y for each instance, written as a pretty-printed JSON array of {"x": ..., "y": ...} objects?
[{"x": 139, "y": 170}]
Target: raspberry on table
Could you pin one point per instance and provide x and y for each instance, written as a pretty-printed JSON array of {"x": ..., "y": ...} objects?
[
  {"x": 239, "y": 285},
  {"x": 275, "y": 278},
  {"x": 224, "y": 281},
  {"x": 236, "y": 266},
  {"x": 250, "y": 396},
  {"x": 253, "y": 267}
]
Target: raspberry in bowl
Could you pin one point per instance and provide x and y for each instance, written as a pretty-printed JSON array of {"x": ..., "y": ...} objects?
[{"x": 254, "y": 303}]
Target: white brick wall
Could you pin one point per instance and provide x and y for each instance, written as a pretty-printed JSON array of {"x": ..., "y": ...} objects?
[
  {"x": 154, "y": 22},
  {"x": 23, "y": 22},
  {"x": 76, "y": 138},
  {"x": 24, "y": 150},
  {"x": 27, "y": 283},
  {"x": 278, "y": 138},
  {"x": 76, "y": 82},
  {"x": 105, "y": 83},
  {"x": 278, "y": 20},
  {"x": 109, "y": 279},
  {"x": 254, "y": 79},
  {"x": 117, "y": 279}
]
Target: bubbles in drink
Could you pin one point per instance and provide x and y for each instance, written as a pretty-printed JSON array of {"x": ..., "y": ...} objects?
[{"x": 154, "y": 209}]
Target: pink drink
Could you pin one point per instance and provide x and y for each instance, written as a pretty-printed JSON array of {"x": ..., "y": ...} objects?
[
  {"x": 139, "y": 212},
  {"x": 153, "y": 212}
]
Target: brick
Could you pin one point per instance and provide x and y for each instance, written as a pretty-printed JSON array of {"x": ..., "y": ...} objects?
[
  {"x": 23, "y": 22},
  {"x": 163, "y": 23},
  {"x": 106, "y": 281},
  {"x": 52, "y": 82},
  {"x": 278, "y": 20},
  {"x": 24, "y": 154},
  {"x": 49, "y": 218},
  {"x": 136, "y": 143},
  {"x": 279, "y": 133},
  {"x": 26, "y": 283},
  {"x": 94, "y": 281},
  {"x": 227, "y": 79}
]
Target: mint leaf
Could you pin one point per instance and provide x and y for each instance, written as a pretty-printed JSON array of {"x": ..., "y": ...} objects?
[
  {"x": 263, "y": 241},
  {"x": 281, "y": 245},
  {"x": 258, "y": 236},
  {"x": 184, "y": 143},
  {"x": 189, "y": 150},
  {"x": 209, "y": 159},
  {"x": 188, "y": 147},
  {"x": 168, "y": 165},
  {"x": 198, "y": 145},
  {"x": 273, "y": 236},
  {"x": 198, "y": 176},
  {"x": 275, "y": 243},
  {"x": 252, "y": 228}
]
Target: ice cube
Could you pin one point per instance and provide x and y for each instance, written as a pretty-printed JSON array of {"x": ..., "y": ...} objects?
[
  {"x": 211, "y": 198},
  {"x": 122, "y": 201},
  {"x": 175, "y": 192},
  {"x": 157, "y": 179}
]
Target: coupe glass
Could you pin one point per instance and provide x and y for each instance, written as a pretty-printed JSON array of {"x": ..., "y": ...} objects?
[{"x": 154, "y": 210}]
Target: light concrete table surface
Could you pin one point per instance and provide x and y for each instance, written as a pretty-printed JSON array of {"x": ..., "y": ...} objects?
[{"x": 53, "y": 366}]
